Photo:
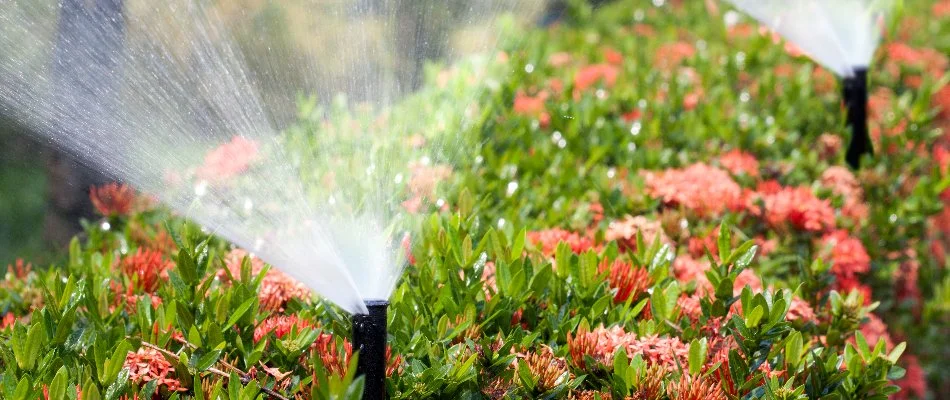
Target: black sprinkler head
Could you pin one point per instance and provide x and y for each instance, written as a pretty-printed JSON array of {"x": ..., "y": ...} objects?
[
  {"x": 855, "y": 91},
  {"x": 369, "y": 339}
]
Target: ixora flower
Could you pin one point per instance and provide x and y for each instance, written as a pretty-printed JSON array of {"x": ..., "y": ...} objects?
[
  {"x": 229, "y": 159},
  {"x": 146, "y": 268},
  {"x": 593, "y": 74},
  {"x": 112, "y": 199},
  {"x": 672, "y": 54},
  {"x": 795, "y": 206},
  {"x": 690, "y": 387},
  {"x": 547, "y": 241},
  {"x": 277, "y": 288},
  {"x": 628, "y": 281},
  {"x": 705, "y": 190},
  {"x": 550, "y": 370},
  {"x": 739, "y": 162},
  {"x": 280, "y": 325},
  {"x": 601, "y": 344},
  {"x": 532, "y": 106},
  {"x": 148, "y": 365},
  {"x": 624, "y": 232}
]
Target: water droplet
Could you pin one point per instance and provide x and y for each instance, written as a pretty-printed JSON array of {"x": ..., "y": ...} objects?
[
  {"x": 893, "y": 218},
  {"x": 248, "y": 205},
  {"x": 631, "y": 147},
  {"x": 611, "y": 172},
  {"x": 659, "y": 3},
  {"x": 399, "y": 178},
  {"x": 731, "y": 18},
  {"x": 556, "y": 136},
  {"x": 601, "y": 94},
  {"x": 425, "y": 160},
  {"x": 642, "y": 103},
  {"x": 562, "y": 143},
  {"x": 501, "y": 224},
  {"x": 479, "y": 160},
  {"x": 684, "y": 224},
  {"x": 638, "y": 15},
  {"x": 439, "y": 203},
  {"x": 332, "y": 200},
  {"x": 512, "y": 187},
  {"x": 744, "y": 97},
  {"x": 529, "y": 68},
  {"x": 635, "y": 128},
  {"x": 105, "y": 226},
  {"x": 201, "y": 189}
]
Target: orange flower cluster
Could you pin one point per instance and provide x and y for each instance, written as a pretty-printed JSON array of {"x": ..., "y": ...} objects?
[
  {"x": 532, "y": 106},
  {"x": 707, "y": 191},
  {"x": 148, "y": 365},
  {"x": 423, "y": 180},
  {"x": 112, "y": 199},
  {"x": 690, "y": 387},
  {"x": 277, "y": 288},
  {"x": 336, "y": 357},
  {"x": 229, "y": 159},
  {"x": 673, "y": 54},
  {"x": 546, "y": 367}
]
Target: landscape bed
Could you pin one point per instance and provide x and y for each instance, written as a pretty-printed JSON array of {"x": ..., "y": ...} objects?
[{"x": 645, "y": 202}]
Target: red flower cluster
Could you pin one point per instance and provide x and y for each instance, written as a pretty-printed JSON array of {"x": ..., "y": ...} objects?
[
  {"x": 148, "y": 365},
  {"x": 628, "y": 281},
  {"x": 277, "y": 288},
  {"x": 705, "y": 190},
  {"x": 848, "y": 258},
  {"x": 423, "y": 181},
  {"x": 624, "y": 232},
  {"x": 532, "y": 106},
  {"x": 280, "y": 325},
  {"x": 797, "y": 206},
  {"x": 843, "y": 183},
  {"x": 112, "y": 199},
  {"x": 672, "y": 54},
  {"x": 593, "y": 74},
  {"x": 739, "y": 162},
  {"x": 147, "y": 269},
  {"x": 547, "y": 241},
  {"x": 601, "y": 343},
  {"x": 229, "y": 159}
]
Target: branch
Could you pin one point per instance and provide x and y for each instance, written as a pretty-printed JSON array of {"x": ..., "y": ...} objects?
[{"x": 244, "y": 378}]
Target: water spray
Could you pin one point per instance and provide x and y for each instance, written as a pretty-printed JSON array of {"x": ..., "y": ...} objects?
[
  {"x": 842, "y": 36},
  {"x": 369, "y": 339}
]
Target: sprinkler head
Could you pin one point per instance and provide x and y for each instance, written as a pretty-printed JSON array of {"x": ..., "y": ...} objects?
[
  {"x": 369, "y": 339},
  {"x": 855, "y": 91}
]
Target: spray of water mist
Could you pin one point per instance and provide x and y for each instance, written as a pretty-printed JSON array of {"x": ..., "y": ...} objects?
[
  {"x": 186, "y": 100},
  {"x": 841, "y": 35}
]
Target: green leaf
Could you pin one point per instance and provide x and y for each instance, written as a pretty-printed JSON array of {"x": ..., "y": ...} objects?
[
  {"x": 208, "y": 360},
  {"x": 697, "y": 355},
  {"x": 239, "y": 313},
  {"x": 793, "y": 350},
  {"x": 57, "y": 387},
  {"x": 753, "y": 318},
  {"x": 117, "y": 388},
  {"x": 518, "y": 246},
  {"x": 896, "y": 353}
]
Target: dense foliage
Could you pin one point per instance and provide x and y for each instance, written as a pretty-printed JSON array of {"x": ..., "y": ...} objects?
[{"x": 640, "y": 202}]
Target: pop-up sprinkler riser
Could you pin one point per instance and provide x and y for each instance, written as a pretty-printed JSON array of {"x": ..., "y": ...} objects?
[
  {"x": 855, "y": 93},
  {"x": 369, "y": 339}
]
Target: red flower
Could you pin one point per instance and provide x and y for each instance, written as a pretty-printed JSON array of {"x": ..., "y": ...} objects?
[
  {"x": 8, "y": 320},
  {"x": 19, "y": 269},
  {"x": 547, "y": 241},
  {"x": 625, "y": 232},
  {"x": 708, "y": 191},
  {"x": 627, "y": 280},
  {"x": 532, "y": 106},
  {"x": 592, "y": 74},
  {"x": 146, "y": 269},
  {"x": 739, "y": 162},
  {"x": 112, "y": 199},
  {"x": 229, "y": 159},
  {"x": 798, "y": 207},
  {"x": 148, "y": 365},
  {"x": 690, "y": 387},
  {"x": 672, "y": 54},
  {"x": 848, "y": 256},
  {"x": 602, "y": 343},
  {"x": 613, "y": 56},
  {"x": 277, "y": 288},
  {"x": 280, "y": 325},
  {"x": 800, "y": 310},
  {"x": 874, "y": 331},
  {"x": 915, "y": 380}
]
